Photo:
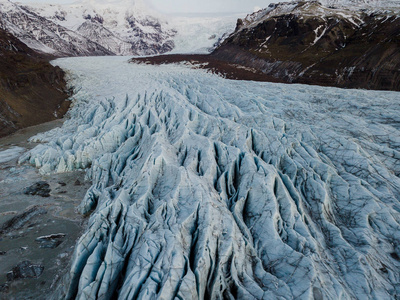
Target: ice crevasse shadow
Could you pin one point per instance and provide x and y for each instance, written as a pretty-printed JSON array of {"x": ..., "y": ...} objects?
[{"x": 210, "y": 188}]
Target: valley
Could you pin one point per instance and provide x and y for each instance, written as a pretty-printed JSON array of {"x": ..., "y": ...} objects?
[
  {"x": 193, "y": 174},
  {"x": 187, "y": 159}
]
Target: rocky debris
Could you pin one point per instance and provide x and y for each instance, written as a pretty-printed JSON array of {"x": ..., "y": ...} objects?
[
  {"x": 22, "y": 219},
  {"x": 209, "y": 63},
  {"x": 4, "y": 288},
  {"x": 25, "y": 269},
  {"x": 40, "y": 188},
  {"x": 51, "y": 241},
  {"x": 306, "y": 42}
]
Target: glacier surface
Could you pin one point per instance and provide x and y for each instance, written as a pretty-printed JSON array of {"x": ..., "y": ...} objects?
[
  {"x": 207, "y": 188},
  {"x": 10, "y": 153}
]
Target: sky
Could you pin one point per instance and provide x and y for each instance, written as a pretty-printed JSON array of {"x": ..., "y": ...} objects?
[
  {"x": 209, "y": 6},
  {"x": 189, "y": 6}
]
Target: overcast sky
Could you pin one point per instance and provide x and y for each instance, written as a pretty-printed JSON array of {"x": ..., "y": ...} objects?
[
  {"x": 209, "y": 6},
  {"x": 189, "y": 6}
]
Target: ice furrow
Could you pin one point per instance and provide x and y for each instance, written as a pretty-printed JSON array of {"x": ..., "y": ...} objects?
[{"x": 206, "y": 188}]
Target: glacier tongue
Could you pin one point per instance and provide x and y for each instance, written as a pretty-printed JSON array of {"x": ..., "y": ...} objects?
[{"x": 209, "y": 188}]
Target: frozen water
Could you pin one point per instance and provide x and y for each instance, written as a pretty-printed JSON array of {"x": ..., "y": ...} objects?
[
  {"x": 210, "y": 188},
  {"x": 10, "y": 154}
]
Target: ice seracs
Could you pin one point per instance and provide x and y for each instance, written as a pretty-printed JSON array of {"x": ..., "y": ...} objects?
[{"x": 207, "y": 188}]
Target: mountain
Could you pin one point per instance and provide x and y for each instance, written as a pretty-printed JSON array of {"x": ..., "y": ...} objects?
[
  {"x": 31, "y": 90},
  {"x": 123, "y": 27},
  {"x": 346, "y": 44},
  {"x": 43, "y": 35}
]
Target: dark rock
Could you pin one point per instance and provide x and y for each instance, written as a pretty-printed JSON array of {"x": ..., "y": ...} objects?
[
  {"x": 40, "y": 188},
  {"x": 395, "y": 256},
  {"x": 22, "y": 219},
  {"x": 50, "y": 244},
  {"x": 62, "y": 183},
  {"x": 4, "y": 288},
  {"x": 50, "y": 241},
  {"x": 3, "y": 252},
  {"x": 77, "y": 182},
  {"x": 324, "y": 49},
  {"x": 25, "y": 269}
]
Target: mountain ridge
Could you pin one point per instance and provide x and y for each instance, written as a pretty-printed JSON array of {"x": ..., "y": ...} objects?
[
  {"x": 103, "y": 28},
  {"x": 314, "y": 44}
]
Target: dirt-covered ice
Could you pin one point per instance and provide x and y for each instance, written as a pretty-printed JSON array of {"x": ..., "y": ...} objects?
[{"x": 207, "y": 188}]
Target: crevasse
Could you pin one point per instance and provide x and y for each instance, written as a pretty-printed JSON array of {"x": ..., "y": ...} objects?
[{"x": 206, "y": 188}]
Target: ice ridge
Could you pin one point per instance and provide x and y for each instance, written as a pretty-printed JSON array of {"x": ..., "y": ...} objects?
[{"x": 206, "y": 188}]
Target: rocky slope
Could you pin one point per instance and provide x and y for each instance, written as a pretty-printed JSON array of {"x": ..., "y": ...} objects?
[
  {"x": 31, "y": 90},
  {"x": 307, "y": 42}
]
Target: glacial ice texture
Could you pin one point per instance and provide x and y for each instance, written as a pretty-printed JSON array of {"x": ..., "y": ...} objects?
[{"x": 207, "y": 188}]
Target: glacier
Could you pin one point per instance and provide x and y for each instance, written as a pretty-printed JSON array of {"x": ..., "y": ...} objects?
[{"x": 208, "y": 188}]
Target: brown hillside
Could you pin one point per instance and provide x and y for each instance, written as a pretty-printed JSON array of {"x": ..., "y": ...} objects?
[{"x": 32, "y": 91}]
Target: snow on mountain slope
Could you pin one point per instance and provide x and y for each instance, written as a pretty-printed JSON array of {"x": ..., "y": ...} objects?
[
  {"x": 123, "y": 27},
  {"x": 363, "y": 3},
  {"x": 306, "y": 42},
  {"x": 201, "y": 34},
  {"x": 350, "y": 9},
  {"x": 207, "y": 188},
  {"x": 43, "y": 35}
]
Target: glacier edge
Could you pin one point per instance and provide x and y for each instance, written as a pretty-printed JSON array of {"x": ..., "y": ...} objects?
[{"x": 209, "y": 188}]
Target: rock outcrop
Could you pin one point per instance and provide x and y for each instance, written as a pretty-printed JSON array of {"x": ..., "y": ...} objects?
[{"x": 307, "y": 42}]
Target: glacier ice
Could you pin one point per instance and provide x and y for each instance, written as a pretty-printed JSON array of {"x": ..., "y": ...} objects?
[
  {"x": 10, "y": 153},
  {"x": 207, "y": 188}
]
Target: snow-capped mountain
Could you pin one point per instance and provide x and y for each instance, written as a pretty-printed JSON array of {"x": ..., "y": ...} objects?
[
  {"x": 44, "y": 35},
  {"x": 109, "y": 28},
  {"x": 308, "y": 42},
  {"x": 122, "y": 27},
  {"x": 362, "y": 3},
  {"x": 207, "y": 188}
]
